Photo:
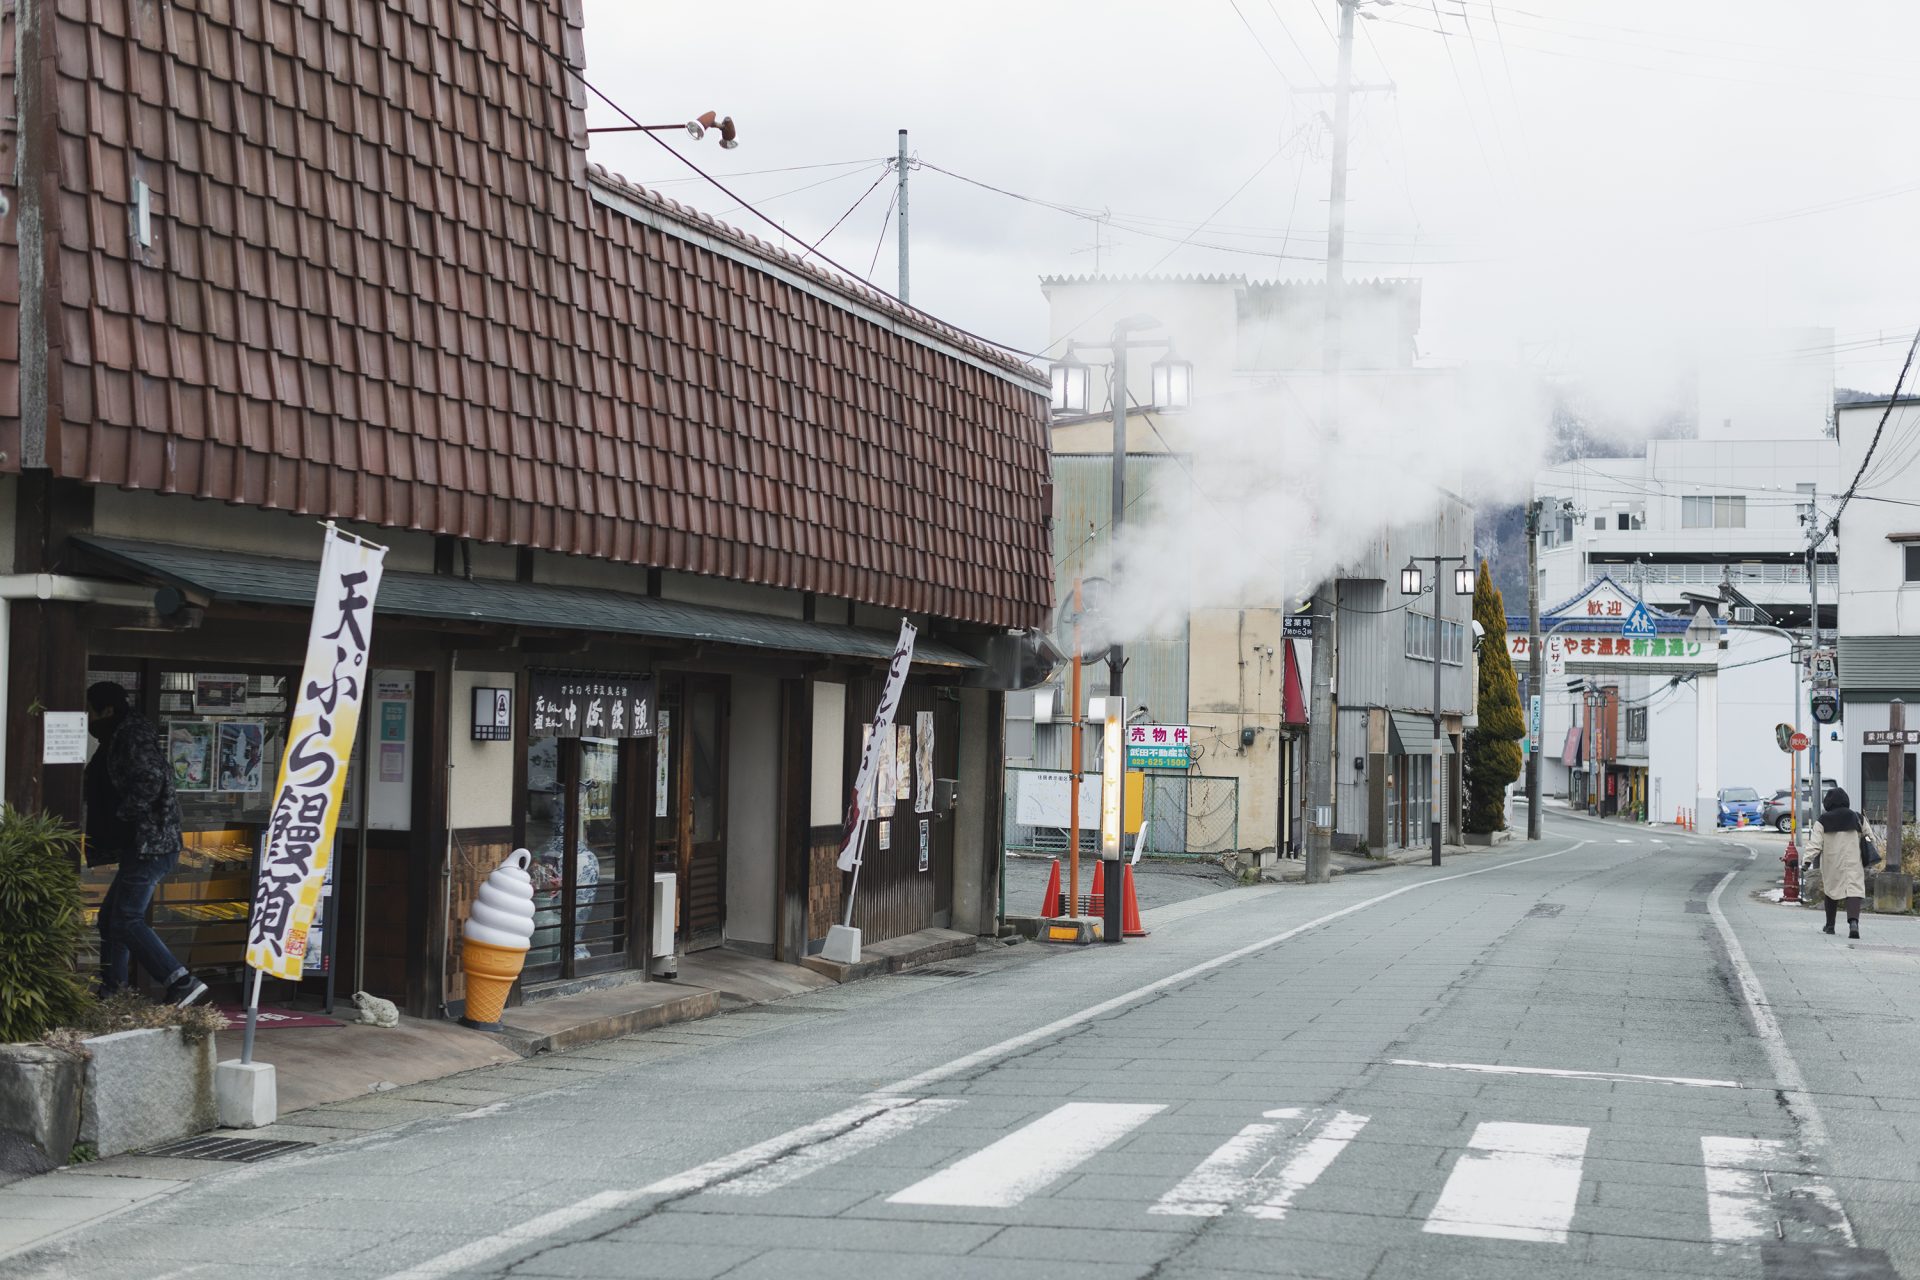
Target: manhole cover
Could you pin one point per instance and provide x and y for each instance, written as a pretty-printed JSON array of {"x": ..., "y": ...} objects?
[{"x": 238, "y": 1150}]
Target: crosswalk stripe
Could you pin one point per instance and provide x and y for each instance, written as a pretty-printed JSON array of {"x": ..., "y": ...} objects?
[
  {"x": 1002, "y": 1175},
  {"x": 1515, "y": 1182},
  {"x": 1739, "y": 1202},
  {"x": 796, "y": 1165},
  {"x": 1266, "y": 1164}
]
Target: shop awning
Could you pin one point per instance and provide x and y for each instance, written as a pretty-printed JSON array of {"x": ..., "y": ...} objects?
[
  {"x": 1413, "y": 735},
  {"x": 1570, "y": 754},
  {"x": 239, "y": 578}
]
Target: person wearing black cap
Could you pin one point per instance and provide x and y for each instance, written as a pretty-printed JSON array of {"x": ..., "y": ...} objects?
[
  {"x": 1840, "y": 843},
  {"x": 133, "y": 821}
]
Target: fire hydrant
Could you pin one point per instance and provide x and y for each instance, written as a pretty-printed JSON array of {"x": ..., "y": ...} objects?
[{"x": 1790, "y": 885}]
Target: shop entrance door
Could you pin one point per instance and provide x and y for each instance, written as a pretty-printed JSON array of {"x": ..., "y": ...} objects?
[
  {"x": 578, "y": 831},
  {"x": 692, "y": 842}
]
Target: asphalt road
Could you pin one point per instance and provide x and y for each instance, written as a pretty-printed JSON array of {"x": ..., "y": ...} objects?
[{"x": 1597, "y": 1055}]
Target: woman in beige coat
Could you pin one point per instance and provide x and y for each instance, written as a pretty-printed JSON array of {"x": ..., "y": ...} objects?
[{"x": 1836, "y": 843}]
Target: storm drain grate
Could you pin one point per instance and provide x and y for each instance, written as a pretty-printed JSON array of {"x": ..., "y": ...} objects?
[
  {"x": 238, "y": 1150},
  {"x": 935, "y": 973}
]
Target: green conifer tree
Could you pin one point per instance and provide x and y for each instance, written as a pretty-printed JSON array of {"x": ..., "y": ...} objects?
[{"x": 1493, "y": 745}]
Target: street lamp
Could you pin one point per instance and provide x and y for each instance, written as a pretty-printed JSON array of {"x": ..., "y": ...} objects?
[
  {"x": 1069, "y": 377},
  {"x": 697, "y": 127},
  {"x": 1412, "y": 582},
  {"x": 1172, "y": 382}
]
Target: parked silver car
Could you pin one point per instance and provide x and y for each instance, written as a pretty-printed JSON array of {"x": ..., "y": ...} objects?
[{"x": 1778, "y": 814}]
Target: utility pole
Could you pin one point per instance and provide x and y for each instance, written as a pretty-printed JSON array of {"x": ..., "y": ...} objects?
[
  {"x": 1321, "y": 729},
  {"x": 900, "y": 170},
  {"x": 1116, "y": 656},
  {"x": 1536, "y": 671}
]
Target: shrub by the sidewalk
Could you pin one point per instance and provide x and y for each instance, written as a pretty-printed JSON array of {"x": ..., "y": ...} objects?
[
  {"x": 1493, "y": 745},
  {"x": 42, "y": 923},
  {"x": 131, "y": 1011}
]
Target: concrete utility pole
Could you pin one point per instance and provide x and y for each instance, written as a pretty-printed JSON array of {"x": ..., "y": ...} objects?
[
  {"x": 1324, "y": 710},
  {"x": 1896, "y": 786},
  {"x": 900, "y": 170},
  {"x": 1536, "y": 670}
]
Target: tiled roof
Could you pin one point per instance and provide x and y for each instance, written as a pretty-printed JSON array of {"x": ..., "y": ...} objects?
[{"x": 383, "y": 286}]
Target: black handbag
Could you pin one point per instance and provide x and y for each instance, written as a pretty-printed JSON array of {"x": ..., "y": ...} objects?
[{"x": 1869, "y": 851}]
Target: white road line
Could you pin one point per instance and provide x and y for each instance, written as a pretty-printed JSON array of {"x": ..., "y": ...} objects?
[
  {"x": 1627, "y": 1077},
  {"x": 1216, "y": 1182},
  {"x": 1013, "y": 1044},
  {"x": 797, "y": 1164},
  {"x": 530, "y": 1232},
  {"x": 703, "y": 1176},
  {"x": 1031, "y": 1157},
  {"x": 1516, "y": 1182},
  {"x": 1739, "y": 1202},
  {"x": 1307, "y": 1164}
]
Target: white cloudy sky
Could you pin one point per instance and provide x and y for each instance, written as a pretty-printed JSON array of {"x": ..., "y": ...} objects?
[{"x": 1563, "y": 174}]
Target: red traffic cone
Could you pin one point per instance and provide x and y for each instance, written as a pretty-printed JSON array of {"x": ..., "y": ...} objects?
[
  {"x": 1097, "y": 905},
  {"x": 1050, "y": 903},
  {"x": 1130, "y": 926}
]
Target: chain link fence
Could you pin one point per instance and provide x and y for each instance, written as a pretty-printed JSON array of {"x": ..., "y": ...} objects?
[{"x": 1185, "y": 816}]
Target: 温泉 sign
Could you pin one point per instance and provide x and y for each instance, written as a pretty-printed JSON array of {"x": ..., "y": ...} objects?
[
  {"x": 1159, "y": 746},
  {"x": 298, "y": 845},
  {"x": 591, "y": 704},
  {"x": 1887, "y": 737},
  {"x": 1587, "y": 648}
]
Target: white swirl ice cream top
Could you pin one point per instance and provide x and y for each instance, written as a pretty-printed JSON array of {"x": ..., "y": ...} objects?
[{"x": 502, "y": 914}]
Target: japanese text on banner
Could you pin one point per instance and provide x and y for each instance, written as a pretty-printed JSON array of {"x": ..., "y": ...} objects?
[
  {"x": 326, "y": 716},
  {"x": 880, "y": 739}
]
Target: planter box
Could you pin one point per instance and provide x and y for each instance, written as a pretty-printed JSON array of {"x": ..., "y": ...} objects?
[
  {"x": 39, "y": 1107},
  {"x": 144, "y": 1088},
  {"x": 1481, "y": 839}
]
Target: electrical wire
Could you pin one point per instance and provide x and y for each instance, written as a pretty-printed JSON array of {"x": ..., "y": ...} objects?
[
  {"x": 1284, "y": 78},
  {"x": 792, "y": 191},
  {"x": 755, "y": 173},
  {"x": 848, "y": 214},
  {"x": 1473, "y": 125},
  {"x": 1874, "y": 443},
  {"x": 893, "y": 202}
]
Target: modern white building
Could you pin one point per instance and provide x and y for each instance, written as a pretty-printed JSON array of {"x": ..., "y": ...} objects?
[
  {"x": 1715, "y": 522},
  {"x": 1879, "y": 593}
]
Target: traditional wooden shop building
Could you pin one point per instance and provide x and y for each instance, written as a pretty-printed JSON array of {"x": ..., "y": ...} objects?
[{"x": 657, "y": 494}]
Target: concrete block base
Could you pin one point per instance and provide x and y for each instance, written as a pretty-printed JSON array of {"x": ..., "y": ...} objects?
[
  {"x": 1480, "y": 839},
  {"x": 144, "y": 1088},
  {"x": 842, "y": 946},
  {"x": 1892, "y": 893},
  {"x": 247, "y": 1094},
  {"x": 1072, "y": 930}
]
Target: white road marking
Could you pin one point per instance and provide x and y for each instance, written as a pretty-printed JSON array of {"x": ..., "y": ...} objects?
[
  {"x": 1618, "y": 1076},
  {"x": 1031, "y": 1157},
  {"x": 1624, "y": 840},
  {"x": 797, "y": 1164},
  {"x": 1013, "y": 1044},
  {"x": 1516, "y": 1182},
  {"x": 1739, "y": 1202},
  {"x": 530, "y": 1232},
  {"x": 703, "y": 1176},
  {"x": 1216, "y": 1182},
  {"x": 1307, "y": 1164},
  {"x": 727, "y": 1166}
]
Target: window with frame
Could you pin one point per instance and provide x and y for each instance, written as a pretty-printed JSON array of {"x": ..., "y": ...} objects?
[
  {"x": 1913, "y": 562},
  {"x": 1717, "y": 511},
  {"x": 1636, "y": 724}
]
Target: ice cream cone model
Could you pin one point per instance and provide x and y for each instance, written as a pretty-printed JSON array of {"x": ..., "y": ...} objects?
[{"x": 495, "y": 939}]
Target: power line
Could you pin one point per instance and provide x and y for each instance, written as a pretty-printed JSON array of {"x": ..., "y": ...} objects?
[
  {"x": 838, "y": 177},
  {"x": 893, "y": 201},
  {"x": 1284, "y": 79},
  {"x": 755, "y": 173},
  {"x": 1874, "y": 443},
  {"x": 849, "y": 213},
  {"x": 1472, "y": 125}
]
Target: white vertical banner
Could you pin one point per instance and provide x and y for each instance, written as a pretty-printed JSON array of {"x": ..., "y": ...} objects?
[
  {"x": 326, "y": 718},
  {"x": 879, "y": 739}
]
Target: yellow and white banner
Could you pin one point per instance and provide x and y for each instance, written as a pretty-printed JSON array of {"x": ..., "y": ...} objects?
[{"x": 326, "y": 717}]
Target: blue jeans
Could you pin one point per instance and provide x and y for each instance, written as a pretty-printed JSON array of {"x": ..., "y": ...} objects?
[{"x": 125, "y": 935}]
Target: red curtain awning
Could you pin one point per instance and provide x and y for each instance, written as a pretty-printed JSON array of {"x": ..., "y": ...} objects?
[
  {"x": 1570, "y": 754},
  {"x": 1294, "y": 698}
]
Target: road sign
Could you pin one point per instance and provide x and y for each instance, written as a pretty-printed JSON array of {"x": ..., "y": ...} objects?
[
  {"x": 1533, "y": 721},
  {"x": 1799, "y": 741},
  {"x": 1887, "y": 737},
  {"x": 1159, "y": 746},
  {"x": 1297, "y": 626},
  {"x": 1638, "y": 623},
  {"x": 1826, "y": 706}
]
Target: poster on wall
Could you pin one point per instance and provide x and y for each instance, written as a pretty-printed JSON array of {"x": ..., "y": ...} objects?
[
  {"x": 923, "y": 762},
  {"x": 217, "y": 694},
  {"x": 926, "y": 843},
  {"x": 886, "y": 776},
  {"x": 886, "y": 836},
  {"x": 190, "y": 754},
  {"x": 903, "y": 762},
  {"x": 591, "y": 704},
  {"x": 243, "y": 749}
]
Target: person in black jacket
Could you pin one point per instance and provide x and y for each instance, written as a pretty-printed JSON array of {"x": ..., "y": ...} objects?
[{"x": 133, "y": 821}]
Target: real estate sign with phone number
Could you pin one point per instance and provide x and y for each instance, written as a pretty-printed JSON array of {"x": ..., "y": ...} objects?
[{"x": 1159, "y": 746}]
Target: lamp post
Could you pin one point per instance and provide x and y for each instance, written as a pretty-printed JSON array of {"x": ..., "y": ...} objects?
[
  {"x": 1411, "y": 584},
  {"x": 1705, "y": 632},
  {"x": 697, "y": 127},
  {"x": 1172, "y": 389}
]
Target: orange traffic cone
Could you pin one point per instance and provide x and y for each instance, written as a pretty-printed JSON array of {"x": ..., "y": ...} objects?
[
  {"x": 1130, "y": 926},
  {"x": 1097, "y": 904},
  {"x": 1050, "y": 903}
]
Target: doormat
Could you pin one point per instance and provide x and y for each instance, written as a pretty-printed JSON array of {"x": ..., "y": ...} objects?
[{"x": 271, "y": 1017}]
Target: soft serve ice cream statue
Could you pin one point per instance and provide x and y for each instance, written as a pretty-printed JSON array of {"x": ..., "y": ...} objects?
[{"x": 495, "y": 939}]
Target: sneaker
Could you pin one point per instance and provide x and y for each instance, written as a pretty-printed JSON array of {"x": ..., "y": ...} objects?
[
  {"x": 186, "y": 991},
  {"x": 1853, "y": 931}
]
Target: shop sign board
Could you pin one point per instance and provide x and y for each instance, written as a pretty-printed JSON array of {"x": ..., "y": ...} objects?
[
  {"x": 1297, "y": 626},
  {"x": 1159, "y": 746},
  {"x": 297, "y": 847},
  {"x": 1825, "y": 665},
  {"x": 590, "y": 704},
  {"x": 1888, "y": 737},
  {"x": 1628, "y": 650}
]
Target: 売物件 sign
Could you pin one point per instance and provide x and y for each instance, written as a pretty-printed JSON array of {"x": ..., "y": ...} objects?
[{"x": 1159, "y": 746}]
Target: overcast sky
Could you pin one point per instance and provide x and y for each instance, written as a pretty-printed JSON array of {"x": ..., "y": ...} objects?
[{"x": 1564, "y": 175}]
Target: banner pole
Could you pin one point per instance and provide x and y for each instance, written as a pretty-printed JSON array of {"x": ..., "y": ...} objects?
[
  {"x": 854, "y": 888},
  {"x": 253, "y": 1014}
]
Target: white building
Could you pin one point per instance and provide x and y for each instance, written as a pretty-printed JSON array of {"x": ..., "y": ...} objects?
[
  {"x": 1718, "y": 522},
  {"x": 1879, "y": 593}
]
